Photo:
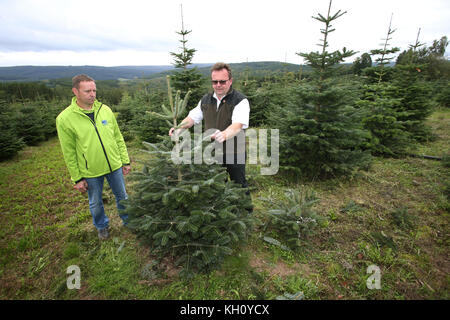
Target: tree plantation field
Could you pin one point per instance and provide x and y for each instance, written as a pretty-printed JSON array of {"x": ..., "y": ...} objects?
[
  {"x": 359, "y": 208},
  {"x": 394, "y": 216}
]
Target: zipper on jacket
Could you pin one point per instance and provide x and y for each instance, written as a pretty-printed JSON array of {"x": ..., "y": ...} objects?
[
  {"x": 85, "y": 161},
  {"x": 98, "y": 135}
]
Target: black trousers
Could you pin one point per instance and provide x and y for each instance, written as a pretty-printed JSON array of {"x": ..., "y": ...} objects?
[
  {"x": 235, "y": 167},
  {"x": 237, "y": 173}
]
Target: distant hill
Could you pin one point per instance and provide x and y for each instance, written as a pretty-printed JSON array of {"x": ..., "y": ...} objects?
[{"x": 39, "y": 73}]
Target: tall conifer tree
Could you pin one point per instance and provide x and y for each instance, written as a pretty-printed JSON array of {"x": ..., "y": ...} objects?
[
  {"x": 185, "y": 78},
  {"x": 320, "y": 133},
  {"x": 384, "y": 55},
  {"x": 384, "y": 116},
  {"x": 413, "y": 92}
]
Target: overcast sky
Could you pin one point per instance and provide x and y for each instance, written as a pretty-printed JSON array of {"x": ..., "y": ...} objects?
[{"x": 138, "y": 32}]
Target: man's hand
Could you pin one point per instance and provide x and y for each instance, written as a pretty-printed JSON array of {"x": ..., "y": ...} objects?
[
  {"x": 219, "y": 136},
  {"x": 232, "y": 130},
  {"x": 81, "y": 186},
  {"x": 126, "y": 170},
  {"x": 185, "y": 124},
  {"x": 176, "y": 131}
]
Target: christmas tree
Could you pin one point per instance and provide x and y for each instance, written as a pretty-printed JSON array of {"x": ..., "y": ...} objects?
[
  {"x": 393, "y": 103},
  {"x": 384, "y": 55},
  {"x": 320, "y": 133},
  {"x": 184, "y": 78},
  {"x": 187, "y": 211},
  {"x": 414, "y": 93},
  {"x": 10, "y": 142},
  {"x": 388, "y": 136}
]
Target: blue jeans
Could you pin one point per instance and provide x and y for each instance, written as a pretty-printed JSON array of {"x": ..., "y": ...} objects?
[{"x": 95, "y": 191}]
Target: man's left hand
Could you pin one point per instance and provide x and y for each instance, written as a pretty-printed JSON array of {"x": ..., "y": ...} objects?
[{"x": 126, "y": 170}]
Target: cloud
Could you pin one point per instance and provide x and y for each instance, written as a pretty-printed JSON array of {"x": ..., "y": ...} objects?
[
  {"x": 234, "y": 31},
  {"x": 80, "y": 26}
]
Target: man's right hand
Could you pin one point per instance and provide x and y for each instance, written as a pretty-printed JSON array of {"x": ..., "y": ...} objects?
[{"x": 81, "y": 186}]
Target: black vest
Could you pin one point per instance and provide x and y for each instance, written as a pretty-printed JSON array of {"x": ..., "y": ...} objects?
[{"x": 220, "y": 118}]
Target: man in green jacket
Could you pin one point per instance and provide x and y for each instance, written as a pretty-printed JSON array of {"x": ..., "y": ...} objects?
[{"x": 93, "y": 149}]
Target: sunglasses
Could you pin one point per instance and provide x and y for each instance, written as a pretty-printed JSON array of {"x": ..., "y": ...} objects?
[{"x": 219, "y": 81}]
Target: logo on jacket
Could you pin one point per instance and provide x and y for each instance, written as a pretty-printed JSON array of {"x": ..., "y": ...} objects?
[{"x": 104, "y": 122}]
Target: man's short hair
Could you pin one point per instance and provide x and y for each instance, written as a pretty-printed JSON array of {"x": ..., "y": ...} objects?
[
  {"x": 220, "y": 66},
  {"x": 79, "y": 78}
]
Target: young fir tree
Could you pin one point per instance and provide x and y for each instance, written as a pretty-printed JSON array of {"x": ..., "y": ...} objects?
[
  {"x": 388, "y": 136},
  {"x": 186, "y": 79},
  {"x": 384, "y": 56},
  {"x": 320, "y": 133},
  {"x": 31, "y": 125},
  {"x": 10, "y": 142},
  {"x": 381, "y": 106},
  {"x": 139, "y": 122},
  {"x": 413, "y": 92},
  {"x": 189, "y": 212},
  {"x": 414, "y": 53}
]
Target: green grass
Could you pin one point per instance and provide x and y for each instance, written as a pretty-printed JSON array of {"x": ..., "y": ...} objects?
[{"x": 395, "y": 216}]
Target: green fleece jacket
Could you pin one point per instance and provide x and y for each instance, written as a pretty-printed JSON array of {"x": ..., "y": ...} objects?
[{"x": 90, "y": 149}]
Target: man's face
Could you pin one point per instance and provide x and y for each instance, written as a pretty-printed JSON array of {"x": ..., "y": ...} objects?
[
  {"x": 85, "y": 93},
  {"x": 221, "y": 82}
]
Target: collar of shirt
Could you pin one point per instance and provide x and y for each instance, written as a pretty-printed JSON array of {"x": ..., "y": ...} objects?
[{"x": 219, "y": 100}]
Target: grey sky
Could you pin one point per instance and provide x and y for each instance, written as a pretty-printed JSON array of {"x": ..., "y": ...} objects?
[{"x": 137, "y": 32}]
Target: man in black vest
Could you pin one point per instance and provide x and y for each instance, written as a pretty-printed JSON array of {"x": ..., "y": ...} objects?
[{"x": 227, "y": 111}]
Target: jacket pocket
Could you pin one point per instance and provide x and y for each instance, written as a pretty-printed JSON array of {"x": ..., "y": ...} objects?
[{"x": 87, "y": 168}]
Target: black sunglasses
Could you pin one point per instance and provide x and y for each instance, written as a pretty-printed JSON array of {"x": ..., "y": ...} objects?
[{"x": 219, "y": 81}]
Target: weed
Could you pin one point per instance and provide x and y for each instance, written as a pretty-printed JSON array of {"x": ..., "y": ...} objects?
[
  {"x": 402, "y": 218},
  {"x": 294, "y": 218},
  {"x": 351, "y": 206}
]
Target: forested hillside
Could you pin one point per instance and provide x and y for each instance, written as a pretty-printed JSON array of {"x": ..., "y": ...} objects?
[{"x": 41, "y": 73}]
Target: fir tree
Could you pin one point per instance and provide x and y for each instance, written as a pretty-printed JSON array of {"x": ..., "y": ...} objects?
[
  {"x": 388, "y": 135},
  {"x": 381, "y": 106},
  {"x": 186, "y": 79},
  {"x": 31, "y": 126},
  {"x": 186, "y": 211},
  {"x": 384, "y": 55},
  {"x": 134, "y": 118},
  {"x": 293, "y": 219},
  {"x": 10, "y": 142},
  {"x": 413, "y": 93},
  {"x": 320, "y": 132},
  {"x": 412, "y": 56}
]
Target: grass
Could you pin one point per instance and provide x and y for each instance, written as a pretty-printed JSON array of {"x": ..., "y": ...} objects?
[{"x": 394, "y": 216}]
